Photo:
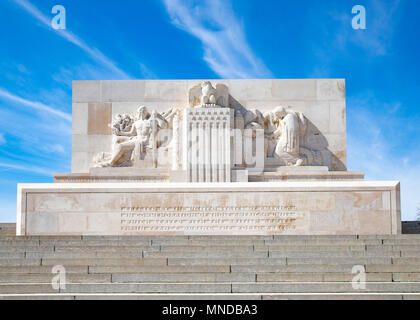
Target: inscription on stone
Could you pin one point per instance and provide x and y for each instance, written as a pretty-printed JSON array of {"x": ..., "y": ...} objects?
[{"x": 209, "y": 219}]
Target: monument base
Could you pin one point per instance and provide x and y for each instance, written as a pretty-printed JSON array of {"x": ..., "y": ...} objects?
[{"x": 270, "y": 208}]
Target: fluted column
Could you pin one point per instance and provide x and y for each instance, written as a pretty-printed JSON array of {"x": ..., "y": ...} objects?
[
  {"x": 207, "y": 151},
  {"x": 175, "y": 143}
]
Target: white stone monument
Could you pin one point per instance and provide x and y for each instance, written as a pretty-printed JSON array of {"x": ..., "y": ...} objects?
[{"x": 188, "y": 157}]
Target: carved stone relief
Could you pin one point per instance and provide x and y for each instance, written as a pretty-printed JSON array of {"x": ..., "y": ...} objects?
[
  {"x": 139, "y": 139},
  {"x": 136, "y": 137},
  {"x": 205, "y": 95}
]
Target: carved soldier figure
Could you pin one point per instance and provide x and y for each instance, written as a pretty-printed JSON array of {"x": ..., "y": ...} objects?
[
  {"x": 127, "y": 141},
  {"x": 284, "y": 129},
  {"x": 130, "y": 135}
]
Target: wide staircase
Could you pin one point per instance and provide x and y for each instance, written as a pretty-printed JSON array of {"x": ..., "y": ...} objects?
[{"x": 210, "y": 267}]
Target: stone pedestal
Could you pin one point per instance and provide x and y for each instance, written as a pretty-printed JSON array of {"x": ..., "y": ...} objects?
[{"x": 316, "y": 208}]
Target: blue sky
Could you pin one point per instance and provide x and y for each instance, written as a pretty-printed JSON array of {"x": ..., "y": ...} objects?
[{"x": 178, "y": 39}]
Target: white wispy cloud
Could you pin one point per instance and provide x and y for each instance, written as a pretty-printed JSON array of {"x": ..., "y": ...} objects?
[
  {"x": 146, "y": 72},
  {"x": 32, "y": 169},
  {"x": 214, "y": 23},
  {"x": 94, "y": 53},
  {"x": 35, "y": 105},
  {"x": 2, "y": 139},
  {"x": 54, "y": 148}
]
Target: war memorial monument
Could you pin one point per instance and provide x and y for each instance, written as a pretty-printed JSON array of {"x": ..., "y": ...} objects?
[
  {"x": 209, "y": 157},
  {"x": 209, "y": 190}
]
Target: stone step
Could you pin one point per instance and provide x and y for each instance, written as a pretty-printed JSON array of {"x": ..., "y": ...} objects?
[
  {"x": 339, "y": 296},
  {"x": 47, "y": 278},
  {"x": 213, "y": 248},
  {"x": 40, "y": 269},
  {"x": 208, "y": 277},
  {"x": 12, "y": 249},
  {"x": 12, "y": 255},
  {"x": 19, "y": 243},
  {"x": 208, "y": 287},
  {"x": 194, "y": 258},
  {"x": 325, "y": 242},
  {"x": 214, "y": 242},
  {"x": 324, "y": 287},
  {"x": 197, "y": 267},
  {"x": 295, "y": 268},
  {"x": 147, "y": 243},
  {"x": 104, "y": 262},
  {"x": 263, "y": 277},
  {"x": 350, "y": 261},
  {"x": 24, "y": 288},
  {"x": 251, "y": 277},
  {"x": 298, "y": 274},
  {"x": 275, "y": 250},
  {"x": 19, "y": 262},
  {"x": 296, "y": 248},
  {"x": 318, "y": 242},
  {"x": 405, "y": 261},
  {"x": 273, "y": 245},
  {"x": 320, "y": 277},
  {"x": 7, "y": 229},
  {"x": 331, "y": 254},
  {"x": 159, "y": 269},
  {"x": 225, "y": 261},
  {"x": 289, "y": 242},
  {"x": 118, "y": 288},
  {"x": 132, "y": 296},
  {"x": 410, "y": 254},
  {"x": 392, "y": 268},
  {"x": 90, "y": 243},
  {"x": 339, "y": 260},
  {"x": 390, "y": 236},
  {"x": 406, "y": 277},
  {"x": 205, "y": 254},
  {"x": 84, "y": 255},
  {"x": 149, "y": 288},
  {"x": 399, "y": 241},
  {"x": 185, "y": 277},
  {"x": 209, "y": 297},
  {"x": 241, "y": 248},
  {"x": 124, "y": 249},
  {"x": 394, "y": 247}
]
